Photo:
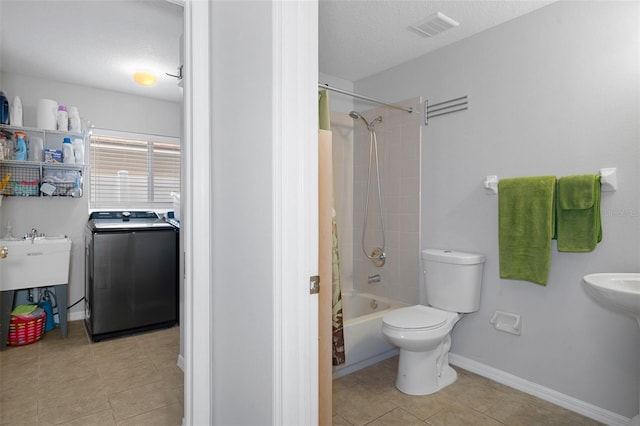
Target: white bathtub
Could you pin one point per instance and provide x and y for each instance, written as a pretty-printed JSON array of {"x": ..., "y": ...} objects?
[{"x": 363, "y": 341}]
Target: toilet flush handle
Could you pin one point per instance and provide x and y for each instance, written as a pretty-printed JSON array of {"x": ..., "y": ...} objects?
[{"x": 3, "y": 252}]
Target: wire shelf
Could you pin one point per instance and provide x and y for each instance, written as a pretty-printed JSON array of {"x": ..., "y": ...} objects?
[{"x": 24, "y": 179}]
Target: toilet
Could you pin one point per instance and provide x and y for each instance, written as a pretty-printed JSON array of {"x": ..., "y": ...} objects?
[{"x": 453, "y": 281}]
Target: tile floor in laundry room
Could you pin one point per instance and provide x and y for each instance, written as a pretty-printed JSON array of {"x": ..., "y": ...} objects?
[
  {"x": 369, "y": 397},
  {"x": 126, "y": 381}
]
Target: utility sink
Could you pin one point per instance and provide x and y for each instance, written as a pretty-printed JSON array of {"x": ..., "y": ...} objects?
[{"x": 38, "y": 262}]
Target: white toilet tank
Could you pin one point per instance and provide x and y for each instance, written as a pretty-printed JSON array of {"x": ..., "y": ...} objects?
[{"x": 453, "y": 279}]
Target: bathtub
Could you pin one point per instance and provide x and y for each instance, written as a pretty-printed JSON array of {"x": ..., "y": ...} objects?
[{"x": 363, "y": 340}]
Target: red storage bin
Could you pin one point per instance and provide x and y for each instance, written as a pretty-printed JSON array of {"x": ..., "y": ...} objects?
[{"x": 24, "y": 331}]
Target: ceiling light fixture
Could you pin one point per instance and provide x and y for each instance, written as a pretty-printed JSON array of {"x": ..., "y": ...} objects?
[
  {"x": 144, "y": 78},
  {"x": 434, "y": 24}
]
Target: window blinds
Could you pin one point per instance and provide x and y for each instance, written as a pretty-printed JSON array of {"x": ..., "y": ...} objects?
[{"x": 133, "y": 170}]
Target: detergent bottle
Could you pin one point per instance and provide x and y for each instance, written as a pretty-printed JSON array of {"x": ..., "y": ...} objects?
[{"x": 21, "y": 147}]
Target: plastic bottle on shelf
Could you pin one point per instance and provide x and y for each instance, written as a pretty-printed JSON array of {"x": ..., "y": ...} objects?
[
  {"x": 75, "y": 125},
  {"x": 63, "y": 119},
  {"x": 7, "y": 148},
  {"x": 36, "y": 148},
  {"x": 4, "y": 108},
  {"x": 16, "y": 112},
  {"x": 78, "y": 150},
  {"x": 21, "y": 147},
  {"x": 68, "y": 157},
  {"x": 76, "y": 192},
  {"x": 3, "y": 148}
]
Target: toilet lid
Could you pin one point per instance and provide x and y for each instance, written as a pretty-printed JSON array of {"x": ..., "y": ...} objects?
[{"x": 415, "y": 317}]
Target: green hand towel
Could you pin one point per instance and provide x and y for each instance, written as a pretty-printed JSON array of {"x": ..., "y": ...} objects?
[
  {"x": 526, "y": 209},
  {"x": 579, "y": 223}
]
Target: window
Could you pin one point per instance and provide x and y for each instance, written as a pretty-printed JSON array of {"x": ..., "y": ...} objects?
[{"x": 133, "y": 171}]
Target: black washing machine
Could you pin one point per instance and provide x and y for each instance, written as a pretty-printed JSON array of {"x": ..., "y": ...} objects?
[{"x": 131, "y": 273}]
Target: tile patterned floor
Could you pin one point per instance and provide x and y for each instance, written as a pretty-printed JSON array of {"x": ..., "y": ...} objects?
[
  {"x": 369, "y": 397},
  {"x": 127, "y": 381},
  {"x": 135, "y": 381}
]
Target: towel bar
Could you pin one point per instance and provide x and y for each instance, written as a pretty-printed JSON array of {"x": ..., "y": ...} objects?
[{"x": 608, "y": 181}]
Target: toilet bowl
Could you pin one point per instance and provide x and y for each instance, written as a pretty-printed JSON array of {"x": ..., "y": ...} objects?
[{"x": 423, "y": 333}]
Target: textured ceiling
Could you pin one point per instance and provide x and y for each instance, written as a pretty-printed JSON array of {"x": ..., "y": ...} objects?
[
  {"x": 360, "y": 38},
  {"x": 99, "y": 43}
]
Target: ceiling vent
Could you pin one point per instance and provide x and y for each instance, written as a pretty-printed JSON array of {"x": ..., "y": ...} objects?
[{"x": 434, "y": 25}]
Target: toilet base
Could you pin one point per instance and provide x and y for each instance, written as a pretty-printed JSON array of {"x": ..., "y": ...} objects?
[{"x": 421, "y": 373}]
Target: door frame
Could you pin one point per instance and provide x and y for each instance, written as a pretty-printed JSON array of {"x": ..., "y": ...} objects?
[
  {"x": 295, "y": 212},
  {"x": 196, "y": 209}
]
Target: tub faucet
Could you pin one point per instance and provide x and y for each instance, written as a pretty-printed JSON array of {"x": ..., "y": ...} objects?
[{"x": 374, "y": 278}]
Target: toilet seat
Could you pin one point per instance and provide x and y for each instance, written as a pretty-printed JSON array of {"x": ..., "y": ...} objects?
[{"x": 415, "y": 318}]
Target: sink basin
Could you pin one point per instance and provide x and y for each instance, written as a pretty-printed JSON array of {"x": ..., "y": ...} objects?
[
  {"x": 617, "y": 291},
  {"x": 620, "y": 292},
  {"x": 37, "y": 263}
]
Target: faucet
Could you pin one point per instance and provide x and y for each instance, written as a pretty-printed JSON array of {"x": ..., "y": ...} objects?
[
  {"x": 374, "y": 278},
  {"x": 32, "y": 235}
]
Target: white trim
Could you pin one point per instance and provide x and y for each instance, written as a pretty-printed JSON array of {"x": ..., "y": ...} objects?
[
  {"x": 344, "y": 371},
  {"x": 135, "y": 136},
  {"x": 180, "y": 363},
  {"x": 295, "y": 212},
  {"x": 539, "y": 391},
  {"x": 196, "y": 209},
  {"x": 75, "y": 316}
]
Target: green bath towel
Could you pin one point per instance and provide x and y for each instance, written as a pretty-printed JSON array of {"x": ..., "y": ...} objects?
[
  {"x": 579, "y": 225},
  {"x": 526, "y": 209}
]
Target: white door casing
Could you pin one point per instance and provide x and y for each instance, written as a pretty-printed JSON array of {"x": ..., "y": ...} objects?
[
  {"x": 197, "y": 210},
  {"x": 295, "y": 230}
]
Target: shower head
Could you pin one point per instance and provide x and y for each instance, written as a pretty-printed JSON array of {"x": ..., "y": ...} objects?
[{"x": 356, "y": 115}]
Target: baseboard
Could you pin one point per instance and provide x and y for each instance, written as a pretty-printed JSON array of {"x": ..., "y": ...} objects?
[
  {"x": 180, "y": 362},
  {"x": 75, "y": 316},
  {"x": 550, "y": 395},
  {"x": 343, "y": 371}
]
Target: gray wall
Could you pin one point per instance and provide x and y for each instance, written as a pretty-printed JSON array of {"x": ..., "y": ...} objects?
[
  {"x": 105, "y": 109},
  {"x": 555, "y": 92},
  {"x": 338, "y": 101},
  {"x": 242, "y": 228}
]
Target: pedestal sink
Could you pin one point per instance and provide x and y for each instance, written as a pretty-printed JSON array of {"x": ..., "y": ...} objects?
[{"x": 619, "y": 292}]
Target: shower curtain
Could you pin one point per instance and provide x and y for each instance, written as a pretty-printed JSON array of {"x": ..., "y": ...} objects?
[{"x": 338, "y": 356}]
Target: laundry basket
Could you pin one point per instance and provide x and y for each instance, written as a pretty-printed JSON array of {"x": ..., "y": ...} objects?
[{"x": 25, "y": 330}]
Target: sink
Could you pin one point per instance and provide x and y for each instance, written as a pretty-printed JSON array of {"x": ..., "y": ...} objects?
[
  {"x": 620, "y": 292},
  {"x": 617, "y": 291},
  {"x": 34, "y": 263}
]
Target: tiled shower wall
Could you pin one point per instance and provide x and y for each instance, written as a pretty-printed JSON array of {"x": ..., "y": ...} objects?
[{"x": 398, "y": 138}]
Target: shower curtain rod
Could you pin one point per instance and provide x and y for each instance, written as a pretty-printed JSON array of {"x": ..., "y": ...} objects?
[{"x": 365, "y": 98}]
